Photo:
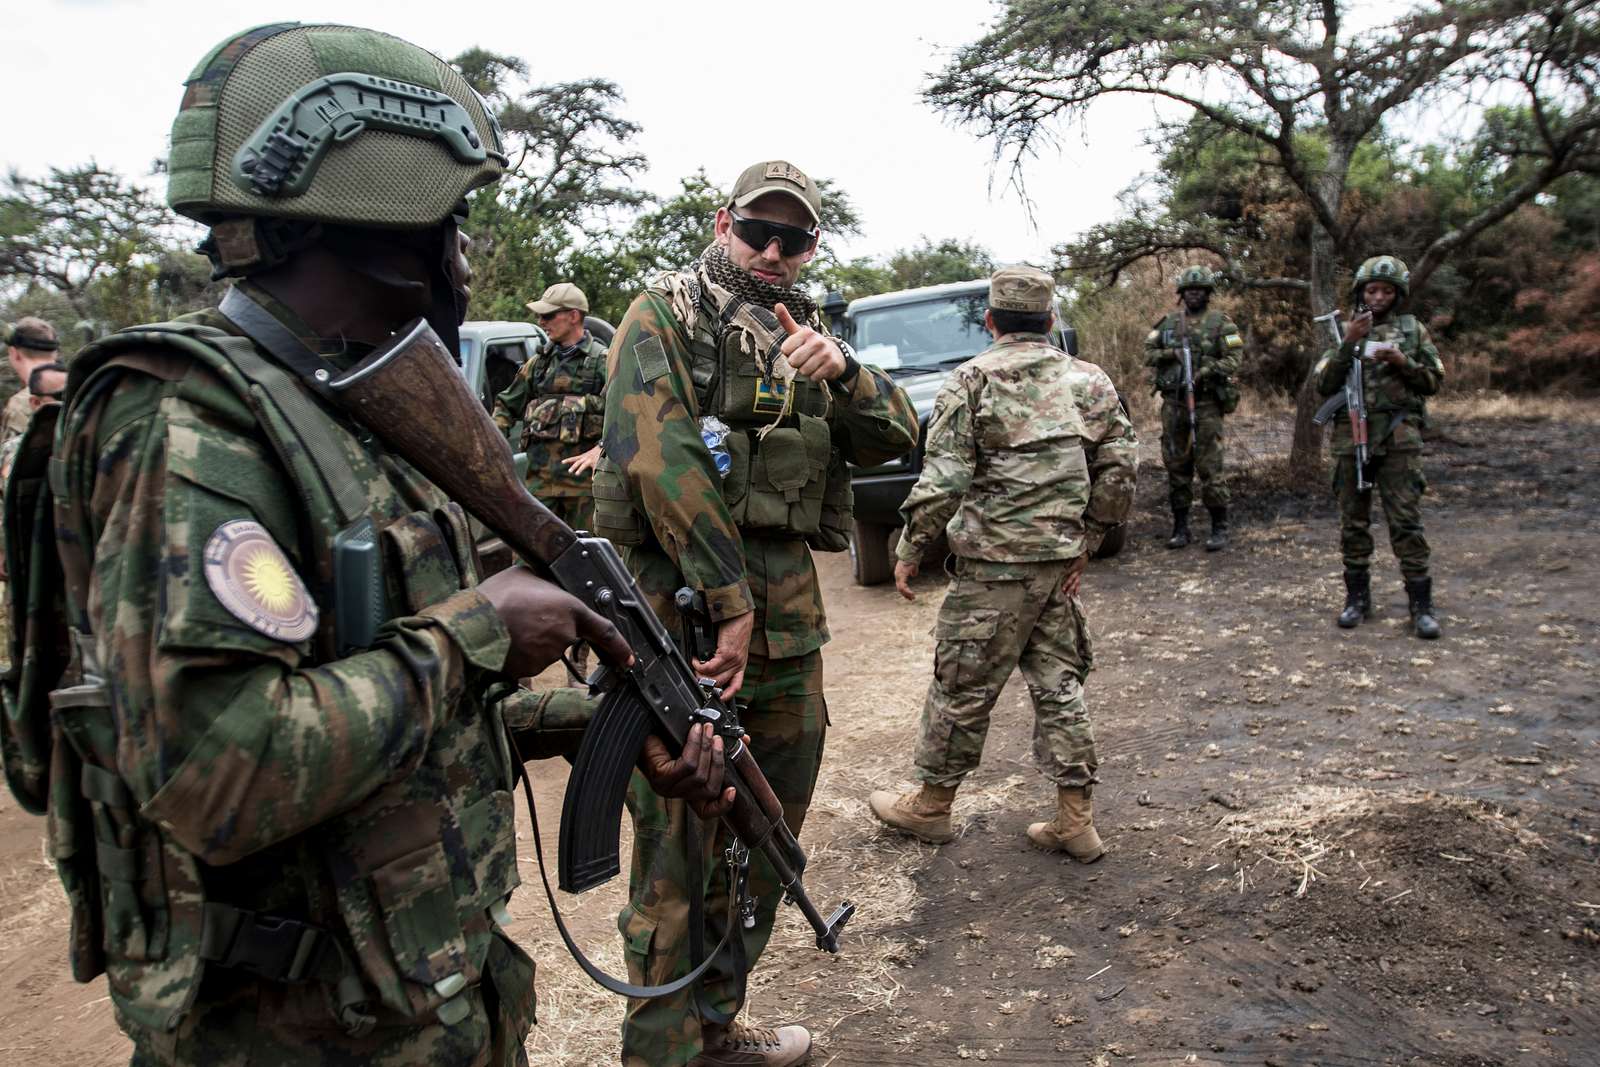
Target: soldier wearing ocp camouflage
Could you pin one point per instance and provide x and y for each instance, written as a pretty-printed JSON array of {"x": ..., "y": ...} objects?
[
  {"x": 1214, "y": 350},
  {"x": 1030, "y": 459},
  {"x": 1401, "y": 369},
  {"x": 253, "y": 689},
  {"x": 559, "y": 398},
  {"x": 728, "y": 354}
]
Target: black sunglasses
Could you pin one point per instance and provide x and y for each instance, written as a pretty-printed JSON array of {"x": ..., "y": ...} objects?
[{"x": 758, "y": 234}]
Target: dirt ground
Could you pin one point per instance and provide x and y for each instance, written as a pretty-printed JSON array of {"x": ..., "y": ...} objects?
[{"x": 1327, "y": 847}]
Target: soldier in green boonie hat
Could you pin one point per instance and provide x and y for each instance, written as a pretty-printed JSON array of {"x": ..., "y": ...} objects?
[
  {"x": 286, "y": 786},
  {"x": 1191, "y": 447}
]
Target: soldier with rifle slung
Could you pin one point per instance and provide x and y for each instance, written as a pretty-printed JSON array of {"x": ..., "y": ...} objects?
[
  {"x": 255, "y": 688},
  {"x": 1194, "y": 353},
  {"x": 1387, "y": 356}
]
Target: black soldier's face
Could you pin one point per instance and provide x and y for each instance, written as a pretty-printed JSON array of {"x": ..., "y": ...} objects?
[
  {"x": 1379, "y": 296},
  {"x": 1196, "y": 298},
  {"x": 768, "y": 264}
]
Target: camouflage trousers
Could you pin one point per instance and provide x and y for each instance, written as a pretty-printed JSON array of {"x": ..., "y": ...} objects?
[
  {"x": 1397, "y": 479},
  {"x": 786, "y": 720},
  {"x": 242, "y": 1021},
  {"x": 998, "y": 617},
  {"x": 1184, "y": 459}
]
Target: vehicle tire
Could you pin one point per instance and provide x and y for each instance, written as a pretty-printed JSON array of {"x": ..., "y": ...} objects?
[
  {"x": 871, "y": 562},
  {"x": 1115, "y": 539}
]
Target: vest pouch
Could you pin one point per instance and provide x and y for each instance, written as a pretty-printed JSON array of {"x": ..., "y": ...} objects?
[
  {"x": 570, "y": 432},
  {"x": 417, "y": 907},
  {"x": 593, "y": 420},
  {"x": 543, "y": 420},
  {"x": 127, "y": 850},
  {"x": 614, "y": 516},
  {"x": 422, "y": 559},
  {"x": 736, "y": 484},
  {"x": 779, "y": 470},
  {"x": 837, "y": 521},
  {"x": 1227, "y": 395},
  {"x": 69, "y": 835}
]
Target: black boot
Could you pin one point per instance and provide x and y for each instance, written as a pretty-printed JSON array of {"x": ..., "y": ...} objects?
[
  {"x": 1180, "y": 528},
  {"x": 1419, "y": 591},
  {"x": 1219, "y": 528},
  {"x": 1357, "y": 599}
]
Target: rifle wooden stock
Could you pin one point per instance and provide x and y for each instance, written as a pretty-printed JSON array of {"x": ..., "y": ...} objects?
[{"x": 423, "y": 409}]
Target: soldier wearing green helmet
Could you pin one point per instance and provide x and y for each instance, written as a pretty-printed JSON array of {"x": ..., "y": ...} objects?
[
  {"x": 253, "y": 683},
  {"x": 1191, "y": 437},
  {"x": 1401, "y": 370}
]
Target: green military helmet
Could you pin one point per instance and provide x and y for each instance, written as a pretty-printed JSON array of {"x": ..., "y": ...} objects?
[
  {"x": 1391, "y": 269},
  {"x": 330, "y": 124},
  {"x": 1196, "y": 277}
]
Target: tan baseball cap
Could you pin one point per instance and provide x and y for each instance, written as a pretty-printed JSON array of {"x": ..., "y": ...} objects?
[
  {"x": 777, "y": 176},
  {"x": 1025, "y": 289},
  {"x": 559, "y": 297}
]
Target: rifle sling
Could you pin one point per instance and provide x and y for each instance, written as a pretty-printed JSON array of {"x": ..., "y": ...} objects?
[
  {"x": 732, "y": 937},
  {"x": 615, "y": 985}
]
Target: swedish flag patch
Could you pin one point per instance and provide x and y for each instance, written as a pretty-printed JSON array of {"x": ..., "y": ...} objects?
[{"x": 770, "y": 395}]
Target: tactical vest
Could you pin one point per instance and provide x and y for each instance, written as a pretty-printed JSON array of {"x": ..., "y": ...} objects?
[
  {"x": 785, "y": 481},
  {"x": 1169, "y": 377},
  {"x": 559, "y": 408},
  {"x": 402, "y": 892}
]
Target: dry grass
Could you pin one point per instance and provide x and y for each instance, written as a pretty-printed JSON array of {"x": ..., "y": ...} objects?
[
  {"x": 1492, "y": 405},
  {"x": 34, "y": 898},
  {"x": 1304, "y": 834}
]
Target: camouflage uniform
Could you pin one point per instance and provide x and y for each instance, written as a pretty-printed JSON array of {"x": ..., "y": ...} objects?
[
  {"x": 1029, "y": 461},
  {"x": 1215, "y": 347},
  {"x": 743, "y": 540},
  {"x": 559, "y": 398},
  {"x": 1396, "y": 416},
  {"x": 13, "y": 421},
  {"x": 279, "y": 850}
]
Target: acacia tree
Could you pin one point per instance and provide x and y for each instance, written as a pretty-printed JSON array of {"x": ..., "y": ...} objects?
[{"x": 1298, "y": 78}]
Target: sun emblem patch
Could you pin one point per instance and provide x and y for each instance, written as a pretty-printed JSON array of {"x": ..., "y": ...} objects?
[{"x": 255, "y": 581}]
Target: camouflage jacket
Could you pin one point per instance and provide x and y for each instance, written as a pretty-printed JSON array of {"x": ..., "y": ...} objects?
[
  {"x": 1396, "y": 396},
  {"x": 652, "y": 435},
  {"x": 559, "y": 398},
  {"x": 1214, "y": 346},
  {"x": 14, "y": 417},
  {"x": 366, "y": 792},
  {"x": 1029, "y": 457}
]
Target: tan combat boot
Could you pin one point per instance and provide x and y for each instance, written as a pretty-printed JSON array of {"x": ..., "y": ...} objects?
[
  {"x": 1072, "y": 831},
  {"x": 739, "y": 1045},
  {"x": 924, "y": 813}
]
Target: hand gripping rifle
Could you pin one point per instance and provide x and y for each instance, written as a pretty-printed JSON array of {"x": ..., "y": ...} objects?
[
  {"x": 1188, "y": 382},
  {"x": 411, "y": 394},
  {"x": 1353, "y": 399}
]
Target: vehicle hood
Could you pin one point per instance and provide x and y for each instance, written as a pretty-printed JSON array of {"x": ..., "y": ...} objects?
[{"x": 923, "y": 389}]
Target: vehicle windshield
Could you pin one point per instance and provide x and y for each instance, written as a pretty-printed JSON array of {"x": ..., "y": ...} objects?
[{"x": 926, "y": 335}]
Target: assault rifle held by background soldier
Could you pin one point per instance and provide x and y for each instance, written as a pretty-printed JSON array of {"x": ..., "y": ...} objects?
[
  {"x": 1353, "y": 399},
  {"x": 1188, "y": 384}
]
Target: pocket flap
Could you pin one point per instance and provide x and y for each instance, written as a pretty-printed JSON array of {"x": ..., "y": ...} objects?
[
  {"x": 783, "y": 452},
  {"x": 418, "y": 911},
  {"x": 973, "y": 626}
]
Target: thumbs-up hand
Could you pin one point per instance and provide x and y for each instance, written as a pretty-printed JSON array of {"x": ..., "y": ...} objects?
[{"x": 809, "y": 352}]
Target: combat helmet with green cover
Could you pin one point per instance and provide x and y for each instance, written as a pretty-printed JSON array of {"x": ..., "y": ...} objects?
[
  {"x": 324, "y": 124},
  {"x": 1196, "y": 277},
  {"x": 1391, "y": 269}
]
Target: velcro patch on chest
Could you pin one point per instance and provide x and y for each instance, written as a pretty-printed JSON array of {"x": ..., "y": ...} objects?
[
  {"x": 769, "y": 396},
  {"x": 254, "y": 580}
]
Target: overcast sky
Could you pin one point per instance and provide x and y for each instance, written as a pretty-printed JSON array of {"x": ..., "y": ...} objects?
[{"x": 830, "y": 85}]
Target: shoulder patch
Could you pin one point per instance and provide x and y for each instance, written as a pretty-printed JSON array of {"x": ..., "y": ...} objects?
[
  {"x": 255, "y": 581},
  {"x": 1235, "y": 341},
  {"x": 652, "y": 357}
]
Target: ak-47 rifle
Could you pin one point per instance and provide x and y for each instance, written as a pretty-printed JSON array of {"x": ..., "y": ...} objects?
[
  {"x": 1352, "y": 398},
  {"x": 1188, "y": 380},
  {"x": 411, "y": 394}
]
